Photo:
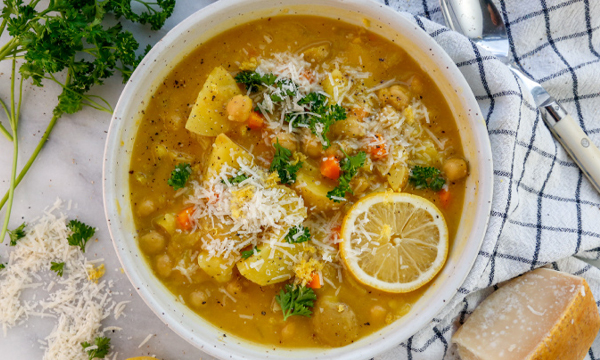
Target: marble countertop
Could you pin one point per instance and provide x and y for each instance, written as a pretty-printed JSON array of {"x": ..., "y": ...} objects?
[{"x": 70, "y": 168}]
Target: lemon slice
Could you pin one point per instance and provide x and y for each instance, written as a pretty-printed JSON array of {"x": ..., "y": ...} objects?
[{"x": 394, "y": 242}]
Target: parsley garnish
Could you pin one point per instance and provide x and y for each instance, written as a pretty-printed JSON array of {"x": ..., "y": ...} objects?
[
  {"x": 281, "y": 164},
  {"x": 293, "y": 238},
  {"x": 296, "y": 301},
  {"x": 246, "y": 254},
  {"x": 427, "y": 177},
  {"x": 234, "y": 180},
  {"x": 81, "y": 233},
  {"x": 327, "y": 114},
  {"x": 2, "y": 266},
  {"x": 103, "y": 344},
  {"x": 17, "y": 234},
  {"x": 254, "y": 80},
  {"x": 350, "y": 166},
  {"x": 57, "y": 267},
  {"x": 64, "y": 42},
  {"x": 180, "y": 176}
]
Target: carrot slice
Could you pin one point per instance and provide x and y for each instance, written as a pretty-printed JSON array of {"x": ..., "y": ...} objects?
[
  {"x": 330, "y": 168},
  {"x": 256, "y": 120},
  {"x": 445, "y": 198},
  {"x": 315, "y": 283},
  {"x": 360, "y": 113},
  {"x": 377, "y": 148},
  {"x": 183, "y": 218}
]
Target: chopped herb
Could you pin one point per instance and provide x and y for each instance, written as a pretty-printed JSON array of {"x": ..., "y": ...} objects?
[
  {"x": 103, "y": 346},
  {"x": 349, "y": 166},
  {"x": 180, "y": 176},
  {"x": 2, "y": 266},
  {"x": 254, "y": 80},
  {"x": 319, "y": 124},
  {"x": 282, "y": 164},
  {"x": 17, "y": 234},
  {"x": 296, "y": 301},
  {"x": 427, "y": 177},
  {"x": 81, "y": 233},
  {"x": 234, "y": 180},
  {"x": 246, "y": 254},
  {"x": 57, "y": 267},
  {"x": 298, "y": 234}
]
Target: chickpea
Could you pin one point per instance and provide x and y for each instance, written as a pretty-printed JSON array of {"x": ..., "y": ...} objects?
[
  {"x": 312, "y": 147},
  {"x": 398, "y": 96},
  {"x": 198, "y": 298},
  {"x": 239, "y": 108},
  {"x": 455, "y": 169},
  {"x": 416, "y": 84},
  {"x": 287, "y": 140},
  {"x": 234, "y": 287},
  {"x": 146, "y": 207},
  {"x": 152, "y": 243},
  {"x": 164, "y": 265},
  {"x": 378, "y": 314},
  {"x": 288, "y": 332},
  {"x": 351, "y": 127}
]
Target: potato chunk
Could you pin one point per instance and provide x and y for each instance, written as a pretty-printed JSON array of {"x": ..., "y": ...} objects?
[
  {"x": 226, "y": 152},
  {"x": 314, "y": 187},
  {"x": 334, "y": 322},
  {"x": 208, "y": 116},
  {"x": 263, "y": 269},
  {"x": 218, "y": 268},
  {"x": 334, "y": 88},
  {"x": 317, "y": 54}
]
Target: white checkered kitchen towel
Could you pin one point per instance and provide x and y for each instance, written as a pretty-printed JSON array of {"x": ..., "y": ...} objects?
[{"x": 544, "y": 212}]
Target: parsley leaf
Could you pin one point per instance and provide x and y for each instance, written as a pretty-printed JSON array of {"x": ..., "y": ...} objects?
[
  {"x": 349, "y": 166},
  {"x": 57, "y": 267},
  {"x": 296, "y": 301},
  {"x": 282, "y": 164},
  {"x": 234, "y": 180},
  {"x": 254, "y": 80},
  {"x": 293, "y": 238},
  {"x": 427, "y": 177},
  {"x": 246, "y": 254},
  {"x": 317, "y": 103},
  {"x": 2, "y": 266},
  {"x": 81, "y": 233},
  {"x": 103, "y": 344},
  {"x": 17, "y": 234},
  {"x": 180, "y": 176}
]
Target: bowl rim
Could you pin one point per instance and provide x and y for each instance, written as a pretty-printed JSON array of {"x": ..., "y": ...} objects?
[{"x": 485, "y": 188}]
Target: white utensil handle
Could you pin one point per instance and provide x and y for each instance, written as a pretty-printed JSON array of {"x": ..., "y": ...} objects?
[{"x": 583, "y": 151}]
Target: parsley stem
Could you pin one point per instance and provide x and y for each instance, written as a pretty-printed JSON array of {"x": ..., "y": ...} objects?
[
  {"x": 2, "y": 128},
  {"x": 13, "y": 125}
]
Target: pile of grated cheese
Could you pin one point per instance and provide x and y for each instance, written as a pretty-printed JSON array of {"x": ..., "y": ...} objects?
[{"x": 77, "y": 300}]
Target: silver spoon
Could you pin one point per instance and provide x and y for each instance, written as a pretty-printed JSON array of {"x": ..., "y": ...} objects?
[{"x": 481, "y": 22}]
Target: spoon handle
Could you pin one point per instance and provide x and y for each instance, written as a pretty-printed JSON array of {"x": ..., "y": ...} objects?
[{"x": 579, "y": 146}]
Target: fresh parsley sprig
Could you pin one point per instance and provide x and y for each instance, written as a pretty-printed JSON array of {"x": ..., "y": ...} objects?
[
  {"x": 17, "y": 234},
  {"x": 349, "y": 166},
  {"x": 64, "y": 42},
  {"x": 80, "y": 234},
  {"x": 296, "y": 300},
  {"x": 254, "y": 81},
  {"x": 180, "y": 176},
  {"x": 427, "y": 177},
  {"x": 234, "y": 180},
  {"x": 281, "y": 163},
  {"x": 297, "y": 234},
  {"x": 317, "y": 103},
  {"x": 103, "y": 347},
  {"x": 58, "y": 268}
]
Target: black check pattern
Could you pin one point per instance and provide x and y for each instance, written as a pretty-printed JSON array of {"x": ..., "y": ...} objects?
[{"x": 544, "y": 212}]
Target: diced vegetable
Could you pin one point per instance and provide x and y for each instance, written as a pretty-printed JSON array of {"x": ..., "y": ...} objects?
[
  {"x": 377, "y": 148},
  {"x": 183, "y": 218},
  {"x": 226, "y": 152},
  {"x": 330, "y": 168},
  {"x": 317, "y": 54},
  {"x": 398, "y": 177},
  {"x": 218, "y": 268},
  {"x": 336, "y": 88},
  {"x": 256, "y": 121},
  {"x": 168, "y": 222},
  {"x": 315, "y": 283},
  {"x": 445, "y": 198},
  {"x": 208, "y": 116},
  {"x": 314, "y": 188}
]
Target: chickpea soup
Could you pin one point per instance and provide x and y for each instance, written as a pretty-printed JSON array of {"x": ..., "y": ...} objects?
[{"x": 297, "y": 181}]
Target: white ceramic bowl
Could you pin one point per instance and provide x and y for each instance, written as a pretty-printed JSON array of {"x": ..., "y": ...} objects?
[{"x": 221, "y": 16}]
